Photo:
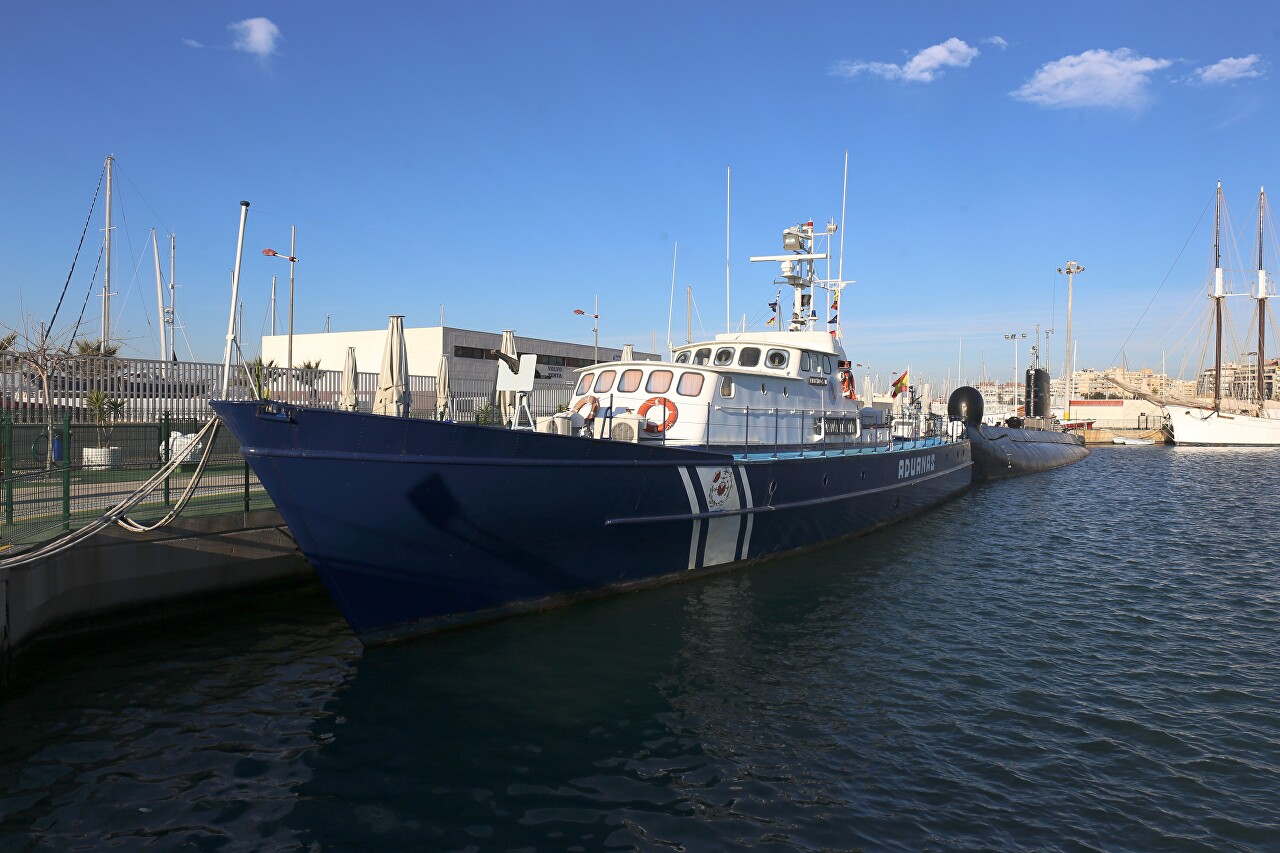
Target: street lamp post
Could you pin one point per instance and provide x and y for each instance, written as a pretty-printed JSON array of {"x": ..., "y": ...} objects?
[
  {"x": 1070, "y": 270},
  {"x": 272, "y": 253},
  {"x": 595, "y": 325}
]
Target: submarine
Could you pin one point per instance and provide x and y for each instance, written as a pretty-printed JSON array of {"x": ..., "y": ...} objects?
[{"x": 1019, "y": 445}]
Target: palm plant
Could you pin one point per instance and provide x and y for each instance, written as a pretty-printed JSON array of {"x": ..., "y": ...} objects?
[
  {"x": 104, "y": 410},
  {"x": 309, "y": 376}
]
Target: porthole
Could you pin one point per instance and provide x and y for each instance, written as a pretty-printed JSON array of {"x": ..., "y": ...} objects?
[
  {"x": 764, "y": 389},
  {"x": 785, "y": 392}
]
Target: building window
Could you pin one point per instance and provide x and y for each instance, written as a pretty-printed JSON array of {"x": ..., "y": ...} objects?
[{"x": 474, "y": 352}]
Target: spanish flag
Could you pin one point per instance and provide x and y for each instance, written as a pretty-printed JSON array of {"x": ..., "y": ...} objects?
[{"x": 900, "y": 384}]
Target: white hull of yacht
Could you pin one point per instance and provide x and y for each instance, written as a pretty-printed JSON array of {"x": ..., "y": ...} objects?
[{"x": 1205, "y": 427}]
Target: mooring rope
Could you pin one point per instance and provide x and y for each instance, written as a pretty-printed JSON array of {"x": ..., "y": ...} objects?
[{"x": 116, "y": 514}]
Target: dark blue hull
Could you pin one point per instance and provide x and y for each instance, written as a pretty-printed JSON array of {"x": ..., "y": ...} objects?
[
  {"x": 1000, "y": 452},
  {"x": 414, "y": 525}
]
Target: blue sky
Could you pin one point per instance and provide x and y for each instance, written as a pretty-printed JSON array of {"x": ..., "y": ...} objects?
[{"x": 510, "y": 161}]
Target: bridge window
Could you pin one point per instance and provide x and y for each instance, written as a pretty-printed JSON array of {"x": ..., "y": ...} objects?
[
  {"x": 690, "y": 385},
  {"x": 724, "y": 356},
  {"x": 683, "y": 358},
  {"x": 630, "y": 381},
  {"x": 750, "y": 357},
  {"x": 702, "y": 356},
  {"x": 584, "y": 384},
  {"x": 659, "y": 382},
  {"x": 826, "y": 364},
  {"x": 804, "y": 361},
  {"x": 776, "y": 358},
  {"x": 605, "y": 382}
]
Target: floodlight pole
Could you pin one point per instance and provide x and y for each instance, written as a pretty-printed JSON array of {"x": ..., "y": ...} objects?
[{"x": 1070, "y": 270}]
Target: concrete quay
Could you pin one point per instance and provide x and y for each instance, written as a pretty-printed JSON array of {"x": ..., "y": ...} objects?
[{"x": 118, "y": 578}]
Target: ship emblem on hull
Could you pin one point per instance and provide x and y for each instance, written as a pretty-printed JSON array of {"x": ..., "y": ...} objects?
[{"x": 720, "y": 488}]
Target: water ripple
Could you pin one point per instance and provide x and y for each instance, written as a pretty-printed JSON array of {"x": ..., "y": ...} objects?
[{"x": 1084, "y": 660}]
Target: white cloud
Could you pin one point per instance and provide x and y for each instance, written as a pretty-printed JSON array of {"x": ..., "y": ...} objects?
[
  {"x": 192, "y": 43},
  {"x": 924, "y": 67},
  {"x": 1095, "y": 78},
  {"x": 997, "y": 41},
  {"x": 255, "y": 35},
  {"x": 1232, "y": 68}
]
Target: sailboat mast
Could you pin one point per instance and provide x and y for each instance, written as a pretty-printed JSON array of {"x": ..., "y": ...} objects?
[
  {"x": 155, "y": 250},
  {"x": 173, "y": 308},
  {"x": 1262, "y": 303},
  {"x": 105, "y": 337},
  {"x": 1217, "y": 300}
]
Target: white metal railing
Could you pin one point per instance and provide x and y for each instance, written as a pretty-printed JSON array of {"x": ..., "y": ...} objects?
[{"x": 150, "y": 389}]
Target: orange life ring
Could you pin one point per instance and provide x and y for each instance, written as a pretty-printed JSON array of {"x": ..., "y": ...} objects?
[
  {"x": 846, "y": 384},
  {"x": 670, "y": 407},
  {"x": 595, "y": 406}
]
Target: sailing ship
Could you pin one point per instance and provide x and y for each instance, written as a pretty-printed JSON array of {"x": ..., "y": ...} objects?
[
  {"x": 737, "y": 449},
  {"x": 1250, "y": 423}
]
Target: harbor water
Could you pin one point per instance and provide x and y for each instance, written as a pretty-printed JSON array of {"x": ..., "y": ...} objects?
[{"x": 1085, "y": 659}]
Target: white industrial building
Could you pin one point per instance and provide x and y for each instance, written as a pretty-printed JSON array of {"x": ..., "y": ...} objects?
[{"x": 470, "y": 353}]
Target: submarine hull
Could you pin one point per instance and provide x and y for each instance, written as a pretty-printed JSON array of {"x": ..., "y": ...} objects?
[{"x": 1000, "y": 451}]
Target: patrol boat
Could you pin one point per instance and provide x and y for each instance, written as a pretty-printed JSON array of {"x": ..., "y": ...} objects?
[{"x": 738, "y": 449}]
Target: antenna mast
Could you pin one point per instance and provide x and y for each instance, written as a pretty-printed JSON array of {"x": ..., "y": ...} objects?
[{"x": 728, "y": 321}]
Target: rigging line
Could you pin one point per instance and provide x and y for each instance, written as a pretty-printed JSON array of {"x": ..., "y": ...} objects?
[
  {"x": 75, "y": 330},
  {"x": 133, "y": 282},
  {"x": 79, "y": 246},
  {"x": 145, "y": 203},
  {"x": 1162, "y": 283}
]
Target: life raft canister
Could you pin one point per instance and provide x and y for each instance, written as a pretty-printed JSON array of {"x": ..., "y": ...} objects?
[
  {"x": 668, "y": 423},
  {"x": 590, "y": 400}
]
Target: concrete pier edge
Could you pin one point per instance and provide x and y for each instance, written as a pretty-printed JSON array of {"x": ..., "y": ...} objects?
[{"x": 118, "y": 579}]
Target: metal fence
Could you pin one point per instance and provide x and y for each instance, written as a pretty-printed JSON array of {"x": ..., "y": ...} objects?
[
  {"x": 45, "y": 491},
  {"x": 150, "y": 390}
]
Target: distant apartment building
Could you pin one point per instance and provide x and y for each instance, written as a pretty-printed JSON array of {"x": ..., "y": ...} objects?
[
  {"x": 1240, "y": 381},
  {"x": 1093, "y": 384}
]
